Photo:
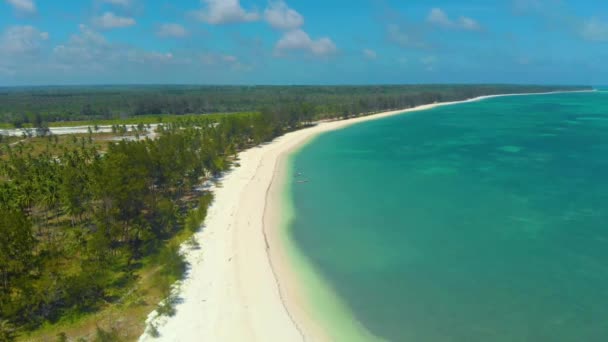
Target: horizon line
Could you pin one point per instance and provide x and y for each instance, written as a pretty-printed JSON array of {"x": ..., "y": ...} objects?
[{"x": 293, "y": 85}]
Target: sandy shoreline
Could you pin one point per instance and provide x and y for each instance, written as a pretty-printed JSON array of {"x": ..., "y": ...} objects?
[{"x": 241, "y": 285}]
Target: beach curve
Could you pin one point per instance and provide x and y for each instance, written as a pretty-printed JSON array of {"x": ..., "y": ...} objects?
[{"x": 241, "y": 284}]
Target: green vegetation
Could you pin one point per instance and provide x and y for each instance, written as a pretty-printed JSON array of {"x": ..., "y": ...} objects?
[
  {"x": 130, "y": 121},
  {"x": 55, "y": 144},
  {"x": 76, "y": 225},
  {"x": 7, "y": 140},
  {"x": 26, "y": 106},
  {"x": 87, "y": 227},
  {"x": 141, "y": 119}
]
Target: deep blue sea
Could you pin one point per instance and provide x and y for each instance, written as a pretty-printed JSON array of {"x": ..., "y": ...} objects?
[{"x": 482, "y": 221}]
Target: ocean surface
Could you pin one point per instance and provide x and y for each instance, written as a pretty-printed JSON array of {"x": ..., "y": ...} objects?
[{"x": 482, "y": 221}]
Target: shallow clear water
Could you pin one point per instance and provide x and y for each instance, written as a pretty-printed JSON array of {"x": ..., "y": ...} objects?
[{"x": 483, "y": 221}]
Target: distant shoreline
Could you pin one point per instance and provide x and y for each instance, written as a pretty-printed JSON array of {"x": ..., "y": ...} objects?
[
  {"x": 64, "y": 126},
  {"x": 242, "y": 284}
]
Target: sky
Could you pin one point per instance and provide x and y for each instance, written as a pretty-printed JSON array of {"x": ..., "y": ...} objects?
[{"x": 71, "y": 42}]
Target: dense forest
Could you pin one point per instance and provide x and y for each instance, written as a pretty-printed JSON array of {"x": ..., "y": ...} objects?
[
  {"x": 75, "y": 225},
  {"x": 77, "y": 221},
  {"x": 19, "y": 106}
]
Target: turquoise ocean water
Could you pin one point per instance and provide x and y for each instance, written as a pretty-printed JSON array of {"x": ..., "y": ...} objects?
[{"x": 483, "y": 221}]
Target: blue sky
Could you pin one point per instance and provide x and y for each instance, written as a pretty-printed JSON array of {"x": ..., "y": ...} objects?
[{"x": 303, "y": 41}]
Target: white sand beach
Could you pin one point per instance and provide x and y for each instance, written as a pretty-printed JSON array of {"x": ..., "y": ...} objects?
[{"x": 240, "y": 286}]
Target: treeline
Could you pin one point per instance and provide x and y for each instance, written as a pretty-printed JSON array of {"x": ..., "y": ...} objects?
[
  {"x": 75, "y": 225},
  {"x": 26, "y": 106}
]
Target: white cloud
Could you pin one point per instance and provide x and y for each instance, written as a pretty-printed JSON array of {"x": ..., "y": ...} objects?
[
  {"x": 22, "y": 41},
  {"x": 225, "y": 12},
  {"x": 429, "y": 62},
  {"x": 230, "y": 59},
  {"x": 439, "y": 18},
  {"x": 468, "y": 24},
  {"x": 523, "y": 61},
  {"x": 281, "y": 17},
  {"x": 84, "y": 48},
  {"x": 92, "y": 51},
  {"x": 172, "y": 31},
  {"x": 123, "y": 3},
  {"x": 298, "y": 40},
  {"x": 428, "y": 59},
  {"x": 24, "y": 6},
  {"x": 405, "y": 38},
  {"x": 88, "y": 36},
  {"x": 22, "y": 48},
  {"x": 594, "y": 30},
  {"x": 7, "y": 71},
  {"x": 528, "y": 5},
  {"x": 211, "y": 59},
  {"x": 146, "y": 57},
  {"x": 369, "y": 54},
  {"x": 110, "y": 20}
]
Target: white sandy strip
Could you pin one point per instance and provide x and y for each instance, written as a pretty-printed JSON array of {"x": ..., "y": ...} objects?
[{"x": 231, "y": 292}]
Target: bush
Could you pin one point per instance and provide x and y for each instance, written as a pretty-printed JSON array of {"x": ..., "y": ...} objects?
[
  {"x": 193, "y": 243},
  {"x": 173, "y": 263},
  {"x": 62, "y": 337},
  {"x": 197, "y": 216},
  {"x": 167, "y": 307},
  {"x": 7, "y": 331},
  {"x": 106, "y": 336},
  {"x": 153, "y": 331}
]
